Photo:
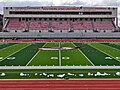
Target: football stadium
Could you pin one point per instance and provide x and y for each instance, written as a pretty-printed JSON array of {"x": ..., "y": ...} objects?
[{"x": 60, "y": 42}]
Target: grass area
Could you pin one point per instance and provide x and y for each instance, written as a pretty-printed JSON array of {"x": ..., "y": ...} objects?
[
  {"x": 44, "y": 58},
  {"x": 55, "y": 73},
  {"x": 5, "y": 45},
  {"x": 75, "y": 57},
  {"x": 5, "y": 52},
  {"x": 113, "y": 45},
  {"x": 107, "y": 49},
  {"x": 95, "y": 56},
  {"x": 25, "y": 54},
  {"x": 111, "y": 52}
]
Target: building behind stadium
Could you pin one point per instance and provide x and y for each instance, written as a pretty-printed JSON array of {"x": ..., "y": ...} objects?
[{"x": 1, "y": 23}]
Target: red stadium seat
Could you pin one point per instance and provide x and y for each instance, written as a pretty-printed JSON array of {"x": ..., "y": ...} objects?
[
  {"x": 103, "y": 25},
  {"x": 59, "y": 25}
]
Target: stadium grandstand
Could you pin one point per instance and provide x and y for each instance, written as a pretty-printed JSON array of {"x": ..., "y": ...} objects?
[
  {"x": 59, "y": 48},
  {"x": 60, "y": 22}
]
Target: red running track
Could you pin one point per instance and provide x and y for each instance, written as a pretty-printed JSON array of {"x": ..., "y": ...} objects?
[{"x": 59, "y": 84}]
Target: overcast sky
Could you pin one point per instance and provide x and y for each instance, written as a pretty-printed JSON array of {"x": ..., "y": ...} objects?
[{"x": 83, "y": 3}]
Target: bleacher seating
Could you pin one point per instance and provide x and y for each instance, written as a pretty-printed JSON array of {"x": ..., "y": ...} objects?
[
  {"x": 33, "y": 24},
  {"x": 65, "y": 25},
  {"x": 55, "y": 25},
  {"x": 59, "y": 25},
  {"x": 16, "y": 24},
  {"x": 103, "y": 25},
  {"x": 82, "y": 25},
  {"x": 44, "y": 25}
]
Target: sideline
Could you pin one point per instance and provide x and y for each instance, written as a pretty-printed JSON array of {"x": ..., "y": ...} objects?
[{"x": 59, "y": 67}]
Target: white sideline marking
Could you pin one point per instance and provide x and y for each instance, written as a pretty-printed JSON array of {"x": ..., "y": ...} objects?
[
  {"x": 15, "y": 52},
  {"x": 59, "y": 67},
  {"x": 104, "y": 52},
  {"x": 34, "y": 56},
  {"x": 84, "y": 55},
  {"x": 59, "y": 56}
]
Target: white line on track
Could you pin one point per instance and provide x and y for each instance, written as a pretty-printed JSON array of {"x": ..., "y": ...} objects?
[
  {"x": 103, "y": 52},
  {"x": 15, "y": 52},
  {"x": 34, "y": 56},
  {"x": 84, "y": 55},
  {"x": 60, "y": 61}
]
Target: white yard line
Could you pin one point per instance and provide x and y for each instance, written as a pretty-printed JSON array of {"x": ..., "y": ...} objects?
[
  {"x": 1, "y": 43},
  {"x": 15, "y": 52},
  {"x": 34, "y": 56},
  {"x": 110, "y": 47},
  {"x": 60, "y": 61},
  {"x": 104, "y": 52},
  {"x": 9, "y": 46},
  {"x": 84, "y": 55}
]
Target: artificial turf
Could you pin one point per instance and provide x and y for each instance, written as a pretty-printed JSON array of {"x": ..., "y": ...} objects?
[
  {"x": 22, "y": 57},
  {"x": 45, "y": 73},
  {"x": 25, "y": 54}
]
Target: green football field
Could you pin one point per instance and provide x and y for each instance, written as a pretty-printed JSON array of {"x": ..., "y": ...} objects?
[{"x": 25, "y": 54}]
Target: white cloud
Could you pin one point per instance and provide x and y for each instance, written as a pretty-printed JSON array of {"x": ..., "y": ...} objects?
[{"x": 62, "y": 2}]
